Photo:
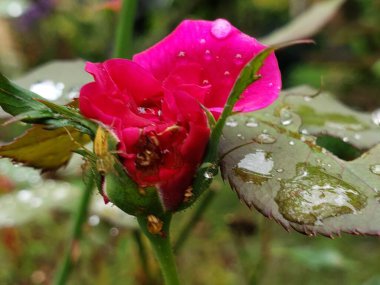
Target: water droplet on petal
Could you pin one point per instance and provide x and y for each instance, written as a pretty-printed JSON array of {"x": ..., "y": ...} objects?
[
  {"x": 375, "y": 169},
  {"x": 205, "y": 82},
  {"x": 181, "y": 54},
  {"x": 202, "y": 41},
  {"x": 221, "y": 28},
  {"x": 376, "y": 117},
  {"x": 208, "y": 55},
  {"x": 238, "y": 56},
  {"x": 226, "y": 73},
  {"x": 270, "y": 84}
]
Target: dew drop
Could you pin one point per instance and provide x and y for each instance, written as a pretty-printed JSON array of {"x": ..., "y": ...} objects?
[
  {"x": 291, "y": 142},
  {"x": 376, "y": 117},
  {"x": 252, "y": 123},
  {"x": 265, "y": 138},
  {"x": 205, "y": 82},
  {"x": 345, "y": 139},
  {"x": 232, "y": 123},
  {"x": 202, "y": 41},
  {"x": 226, "y": 73},
  {"x": 270, "y": 84},
  {"x": 375, "y": 169},
  {"x": 208, "y": 175},
  {"x": 304, "y": 132},
  {"x": 221, "y": 28},
  {"x": 24, "y": 196},
  {"x": 286, "y": 117},
  {"x": 240, "y": 136},
  {"x": 238, "y": 56},
  {"x": 181, "y": 54},
  {"x": 280, "y": 170},
  {"x": 208, "y": 54}
]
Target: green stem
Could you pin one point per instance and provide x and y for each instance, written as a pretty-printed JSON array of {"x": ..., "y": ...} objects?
[
  {"x": 124, "y": 31},
  {"x": 162, "y": 248},
  {"x": 142, "y": 254},
  {"x": 80, "y": 217},
  {"x": 184, "y": 234}
]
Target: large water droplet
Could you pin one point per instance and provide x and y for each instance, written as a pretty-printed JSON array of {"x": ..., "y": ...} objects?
[
  {"x": 265, "y": 138},
  {"x": 375, "y": 169},
  {"x": 286, "y": 117},
  {"x": 48, "y": 89},
  {"x": 376, "y": 117},
  {"x": 220, "y": 28},
  {"x": 313, "y": 195},
  {"x": 255, "y": 167}
]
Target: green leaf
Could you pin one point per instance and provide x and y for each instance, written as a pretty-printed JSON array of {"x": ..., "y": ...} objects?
[
  {"x": 45, "y": 149},
  {"x": 283, "y": 173},
  {"x": 305, "y": 25},
  {"x": 17, "y": 101},
  {"x": 323, "y": 115}
]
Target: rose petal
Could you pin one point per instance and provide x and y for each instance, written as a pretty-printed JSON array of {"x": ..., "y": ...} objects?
[{"x": 222, "y": 51}]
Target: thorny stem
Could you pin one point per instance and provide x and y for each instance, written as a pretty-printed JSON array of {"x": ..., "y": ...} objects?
[
  {"x": 194, "y": 219},
  {"x": 71, "y": 253},
  {"x": 124, "y": 31},
  {"x": 162, "y": 248}
]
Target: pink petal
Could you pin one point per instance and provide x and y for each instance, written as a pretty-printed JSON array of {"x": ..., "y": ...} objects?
[{"x": 222, "y": 51}]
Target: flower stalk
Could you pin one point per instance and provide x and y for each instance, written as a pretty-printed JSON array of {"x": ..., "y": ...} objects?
[
  {"x": 71, "y": 253},
  {"x": 162, "y": 248},
  {"x": 124, "y": 32}
]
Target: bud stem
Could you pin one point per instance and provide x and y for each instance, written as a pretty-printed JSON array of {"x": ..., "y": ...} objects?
[{"x": 162, "y": 248}]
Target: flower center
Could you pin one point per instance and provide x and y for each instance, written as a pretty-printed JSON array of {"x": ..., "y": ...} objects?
[{"x": 149, "y": 156}]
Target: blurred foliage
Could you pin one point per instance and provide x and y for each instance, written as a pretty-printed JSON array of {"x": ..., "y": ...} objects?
[{"x": 346, "y": 57}]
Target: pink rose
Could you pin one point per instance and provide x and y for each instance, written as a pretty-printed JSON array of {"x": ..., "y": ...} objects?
[
  {"x": 163, "y": 133},
  {"x": 153, "y": 103},
  {"x": 210, "y": 55}
]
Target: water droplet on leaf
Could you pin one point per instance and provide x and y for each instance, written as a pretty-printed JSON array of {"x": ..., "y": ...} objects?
[
  {"x": 232, "y": 123},
  {"x": 252, "y": 123},
  {"x": 313, "y": 195},
  {"x": 375, "y": 169},
  {"x": 255, "y": 167},
  {"x": 221, "y": 28},
  {"x": 265, "y": 138},
  {"x": 286, "y": 117},
  {"x": 292, "y": 143}
]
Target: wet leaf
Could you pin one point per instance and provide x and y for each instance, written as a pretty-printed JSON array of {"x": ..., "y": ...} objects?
[
  {"x": 282, "y": 172},
  {"x": 16, "y": 101},
  {"x": 45, "y": 149},
  {"x": 324, "y": 115},
  {"x": 305, "y": 25}
]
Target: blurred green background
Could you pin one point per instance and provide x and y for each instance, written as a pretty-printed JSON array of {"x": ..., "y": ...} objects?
[{"x": 231, "y": 244}]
